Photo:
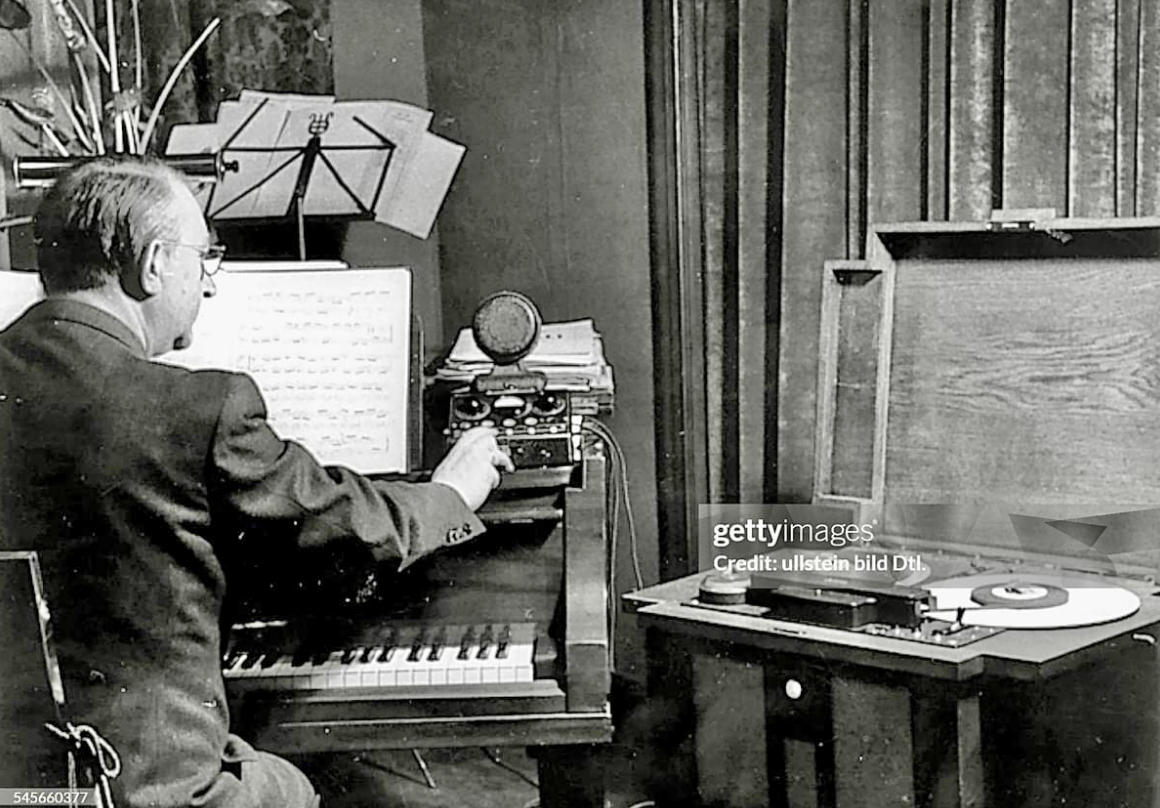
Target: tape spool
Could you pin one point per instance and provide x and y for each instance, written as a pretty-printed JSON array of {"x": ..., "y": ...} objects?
[
  {"x": 1030, "y": 600},
  {"x": 1018, "y": 595},
  {"x": 723, "y": 589}
]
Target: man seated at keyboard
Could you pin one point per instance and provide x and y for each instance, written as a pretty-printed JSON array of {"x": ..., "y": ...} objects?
[{"x": 124, "y": 473}]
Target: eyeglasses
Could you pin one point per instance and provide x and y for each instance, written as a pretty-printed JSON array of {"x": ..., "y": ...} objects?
[{"x": 211, "y": 256}]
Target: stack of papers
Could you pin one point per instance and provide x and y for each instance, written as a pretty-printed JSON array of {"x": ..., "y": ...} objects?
[
  {"x": 376, "y": 159},
  {"x": 570, "y": 355}
]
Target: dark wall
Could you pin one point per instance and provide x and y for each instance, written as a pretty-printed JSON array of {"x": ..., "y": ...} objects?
[{"x": 378, "y": 54}]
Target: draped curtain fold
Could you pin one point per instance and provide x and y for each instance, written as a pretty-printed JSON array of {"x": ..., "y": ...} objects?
[
  {"x": 739, "y": 90},
  {"x": 272, "y": 45}
]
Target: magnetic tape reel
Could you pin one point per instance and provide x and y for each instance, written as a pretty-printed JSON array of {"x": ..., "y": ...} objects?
[
  {"x": 535, "y": 424},
  {"x": 1049, "y": 599}
]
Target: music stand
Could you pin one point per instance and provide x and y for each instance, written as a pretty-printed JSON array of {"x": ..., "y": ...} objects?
[{"x": 355, "y": 156}]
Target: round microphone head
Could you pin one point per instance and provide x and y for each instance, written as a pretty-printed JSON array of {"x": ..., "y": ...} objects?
[{"x": 506, "y": 327}]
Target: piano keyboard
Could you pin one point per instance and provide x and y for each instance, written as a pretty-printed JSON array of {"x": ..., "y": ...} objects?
[{"x": 391, "y": 656}]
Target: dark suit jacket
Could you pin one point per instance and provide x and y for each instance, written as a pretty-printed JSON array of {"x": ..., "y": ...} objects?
[{"x": 125, "y": 475}]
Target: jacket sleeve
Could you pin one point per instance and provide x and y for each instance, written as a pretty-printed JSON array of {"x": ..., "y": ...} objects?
[{"x": 259, "y": 477}]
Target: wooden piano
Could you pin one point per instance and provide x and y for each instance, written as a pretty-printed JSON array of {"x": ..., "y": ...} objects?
[{"x": 500, "y": 642}]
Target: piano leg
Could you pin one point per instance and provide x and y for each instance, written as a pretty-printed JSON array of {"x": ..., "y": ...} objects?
[{"x": 570, "y": 776}]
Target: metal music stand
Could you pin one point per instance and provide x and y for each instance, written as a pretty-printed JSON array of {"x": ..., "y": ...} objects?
[{"x": 327, "y": 142}]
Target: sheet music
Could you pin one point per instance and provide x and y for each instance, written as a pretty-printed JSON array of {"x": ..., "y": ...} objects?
[
  {"x": 377, "y": 159},
  {"x": 424, "y": 182},
  {"x": 328, "y": 348}
]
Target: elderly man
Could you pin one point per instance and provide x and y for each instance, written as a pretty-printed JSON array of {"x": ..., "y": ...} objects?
[{"x": 125, "y": 475}]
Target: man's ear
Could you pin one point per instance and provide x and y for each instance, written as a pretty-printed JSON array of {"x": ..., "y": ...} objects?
[{"x": 145, "y": 280}]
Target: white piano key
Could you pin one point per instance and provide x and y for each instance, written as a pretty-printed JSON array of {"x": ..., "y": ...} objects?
[{"x": 333, "y": 669}]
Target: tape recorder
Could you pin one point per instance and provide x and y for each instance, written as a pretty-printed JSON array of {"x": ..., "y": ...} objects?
[
  {"x": 944, "y": 599},
  {"x": 536, "y": 425}
]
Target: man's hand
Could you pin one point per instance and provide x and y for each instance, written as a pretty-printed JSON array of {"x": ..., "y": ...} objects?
[{"x": 471, "y": 466}]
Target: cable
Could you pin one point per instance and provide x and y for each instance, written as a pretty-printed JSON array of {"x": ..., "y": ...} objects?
[
  {"x": 605, "y": 434},
  {"x": 618, "y": 496},
  {"x": 632, "y": 537}
]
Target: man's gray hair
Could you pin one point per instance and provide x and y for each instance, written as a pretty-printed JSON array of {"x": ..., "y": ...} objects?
[{"x": 99, "y": 217}]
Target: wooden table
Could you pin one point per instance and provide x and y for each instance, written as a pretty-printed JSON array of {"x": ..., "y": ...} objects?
[{"x": 897, "y": 722}]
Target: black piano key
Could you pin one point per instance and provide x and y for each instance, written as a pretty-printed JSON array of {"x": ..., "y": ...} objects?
[
  {"x": 233, "y": 659},
  {"x": 417, "y": 647},
  {"x": 465, "y": 644},
  {"x": 485, "y": 641},
  {"x": 387, "y": 649},
  {"x": 348, "y": 655},
  {"x": 251, "y": 660},
  {"x": 437, "y": 645},
  {"x": 366, "y": 654},
  {"x": 320, "y": 656},
  {"x": 301, "y": 655},
  {"x": 505, "y": 638},
  {"x": 269, "y": 660}
]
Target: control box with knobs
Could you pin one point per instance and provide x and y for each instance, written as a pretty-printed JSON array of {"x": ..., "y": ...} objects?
[{"x": 536, "y": 425}]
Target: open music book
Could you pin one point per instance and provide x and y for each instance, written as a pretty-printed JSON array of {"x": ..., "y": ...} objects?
[{"x": 328, "y": 346}]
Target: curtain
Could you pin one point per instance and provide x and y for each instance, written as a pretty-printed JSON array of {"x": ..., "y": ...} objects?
[{"x": 272, "y": 45}]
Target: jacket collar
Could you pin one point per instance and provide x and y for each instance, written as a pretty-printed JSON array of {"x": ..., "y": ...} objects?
[{"x": 83, "y": 314}]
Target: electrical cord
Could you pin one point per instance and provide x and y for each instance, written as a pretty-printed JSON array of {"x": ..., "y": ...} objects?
[
  {"x": 617, "y": 501},
  {"x": 620, "y": 483}
]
